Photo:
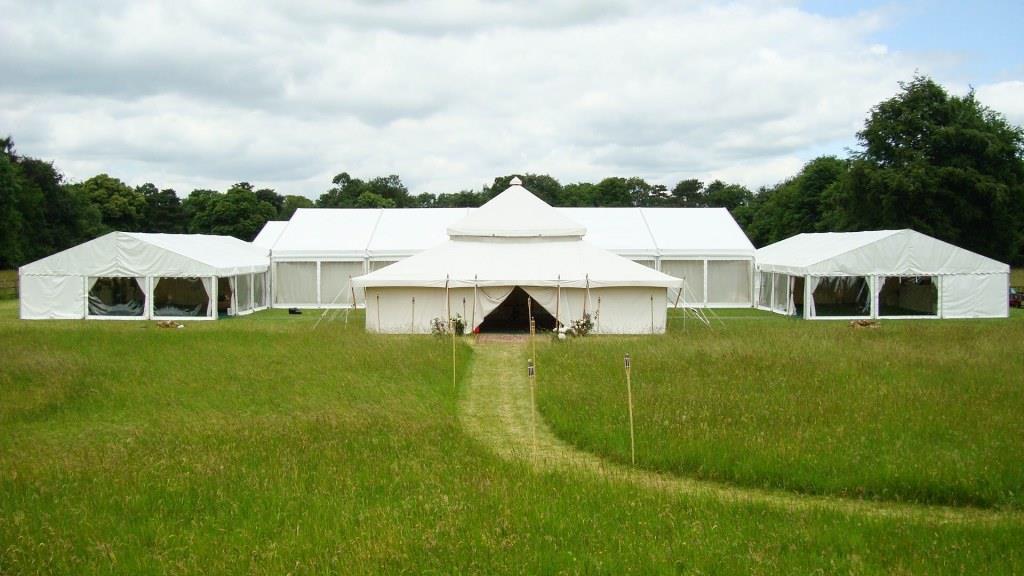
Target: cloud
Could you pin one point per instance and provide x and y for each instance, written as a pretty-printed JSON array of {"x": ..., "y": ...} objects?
[
  {"x": 1004, "y": 97},
  {"x": 446, "y": 94}
]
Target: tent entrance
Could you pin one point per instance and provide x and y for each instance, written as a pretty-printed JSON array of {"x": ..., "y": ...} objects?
[{"x": 512, "y": 315}]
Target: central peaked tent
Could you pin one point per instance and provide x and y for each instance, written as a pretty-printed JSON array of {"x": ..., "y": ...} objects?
[{"x": 516, "y": 240}]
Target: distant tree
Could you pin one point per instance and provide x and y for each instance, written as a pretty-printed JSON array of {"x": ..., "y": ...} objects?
[
  {"x": 940, "y": 164},
  {"x": 11, "y": 236},
  {"x": 579, "y": 194},
  {"x": 689, "y": 194},
  {"x": 461, "y": 199},
  {"x": 121, "y": 207},
  {"x": 237, "y": 212},
  {"x": 271, "y": 197},
  {"x": 728, "y": 196},
  {"x": 198, "y": 209},
  {"x": 613, "y": 192},
  {"x": 390, "y": 188},
  {"x": 290, "y": 204},
  {"x": 799, "y": 204},
  {"x": 163, "y": 212},
  {"x": 542, "y": 186},
  {"x": 371, "y": 200}
]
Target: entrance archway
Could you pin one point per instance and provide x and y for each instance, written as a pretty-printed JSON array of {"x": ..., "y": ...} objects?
[{"x": 512, "y": 315}]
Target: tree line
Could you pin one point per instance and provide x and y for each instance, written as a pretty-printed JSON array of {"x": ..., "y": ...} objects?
[{"x": 942, "y": 164}]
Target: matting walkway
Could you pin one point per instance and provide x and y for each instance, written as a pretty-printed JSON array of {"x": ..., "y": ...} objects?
[{"x": 496, "y": 409}]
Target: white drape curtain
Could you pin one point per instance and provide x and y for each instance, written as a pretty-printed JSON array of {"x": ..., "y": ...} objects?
[
  {"x": 690, "y": 271},
  {"x": 812, "y": 284},
  {"x": 335, "y": 282},
  {"x": 485, "y": 300},
  {"x": 259, "y": 290},
  {"x": 729, "y": 282},
  {"x": 244, "y": 292},
  {"x": 764, "y": 292},
  {"x": 296, "y": 283},
  {"x": 780, "y": 295}
]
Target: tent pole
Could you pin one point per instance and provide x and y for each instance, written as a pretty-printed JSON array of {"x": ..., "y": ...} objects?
[
  {"x": 473, "y": 325},
  {"x": 378, "y": 313},
  {"x": 587, "y": 300},
  {"x": 652, "y": 313},
  {"x": 558, "y": 303},
  {"x": 412, "y": 324},
  {"x": 451, "y": 326}
]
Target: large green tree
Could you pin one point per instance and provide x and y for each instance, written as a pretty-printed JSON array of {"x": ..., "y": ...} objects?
[
  {"x": 941, "y": 164},
  {"x": 163, "y": 211},
  {"x": 799, "y": 204},
  {"x": 121, "y": 206}
]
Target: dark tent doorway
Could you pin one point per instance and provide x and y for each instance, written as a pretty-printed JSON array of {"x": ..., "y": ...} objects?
[{"x": 512, "y": 315}]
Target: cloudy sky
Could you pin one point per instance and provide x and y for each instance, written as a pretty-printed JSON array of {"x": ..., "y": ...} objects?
[{"x": 449, "y": 94}]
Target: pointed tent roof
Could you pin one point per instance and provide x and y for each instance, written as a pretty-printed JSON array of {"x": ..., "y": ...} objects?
[
  {"x": 516, "y": 213},
  {"x": 516, "y": 239}
]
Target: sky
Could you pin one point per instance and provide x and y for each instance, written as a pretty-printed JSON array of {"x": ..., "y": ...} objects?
[{"x": 450, "y": 94}]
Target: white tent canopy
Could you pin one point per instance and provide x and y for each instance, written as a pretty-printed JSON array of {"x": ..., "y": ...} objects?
[
  {"x": 65, "y": 285},
  {"x": 879, "y": 273},
  {"x": 320, "y": 249},
  {"x": 516, "y": 240},
  {"x": 270, "y": 233}
]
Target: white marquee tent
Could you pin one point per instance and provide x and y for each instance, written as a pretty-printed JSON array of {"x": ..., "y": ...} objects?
[
  {"x": 140, "y": 276},
  {"x": 513, "y": 249},
  {"x": 879, "y": 274},
  {"x": 270, "y": 233},
  {"x": 319, "y": 250}
]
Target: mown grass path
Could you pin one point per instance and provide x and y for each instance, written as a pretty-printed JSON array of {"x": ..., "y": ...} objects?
[{"x": 496, "y": 409}]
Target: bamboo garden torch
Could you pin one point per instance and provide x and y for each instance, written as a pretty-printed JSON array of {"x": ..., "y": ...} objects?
[{"x": 627, "y": 361}]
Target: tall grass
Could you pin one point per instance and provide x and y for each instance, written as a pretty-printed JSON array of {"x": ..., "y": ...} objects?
[
  {"x": 8, "y": 284},
  {"x": 924, "y": 411},
  {"x": 256, "y": 445}
]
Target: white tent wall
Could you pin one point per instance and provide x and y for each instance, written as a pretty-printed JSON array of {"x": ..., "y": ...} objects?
[
  {"x": 712, "y": 282},
  {"x": 336, "y": 289},
  {"x": 295, "y": 284},
  {"x": 625, "y": 310},
  {"x": 974, "y": 296},
  {"x": 52, "y": 297},
  {"x": 958, "y": 296}
]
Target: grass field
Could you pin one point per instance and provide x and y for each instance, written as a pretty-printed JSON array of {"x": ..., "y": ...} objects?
[
  {"x": 919, "y": 411},
  {"x": 258, "y": 445},
  {"x": 8, "y": 284}
]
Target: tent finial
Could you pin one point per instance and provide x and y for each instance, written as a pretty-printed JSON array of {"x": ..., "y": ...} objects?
[{"x": 515, "y": 181}]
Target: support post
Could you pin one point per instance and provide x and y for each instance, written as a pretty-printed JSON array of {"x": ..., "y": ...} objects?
[
  {"x": 629, "y": 394},
  {"x": 531, "y": 372}
]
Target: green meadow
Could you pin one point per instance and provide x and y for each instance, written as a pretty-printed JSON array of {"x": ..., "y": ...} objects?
[
  {"x": 917, "y": 411},
  {"x": 262, "y": 445}
]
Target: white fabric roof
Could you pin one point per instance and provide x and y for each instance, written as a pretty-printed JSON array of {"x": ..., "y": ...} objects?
[
  {"x": 516, "y": 213},
  {"x": 570, "y": 263},
  {"x": 400, "y": 232},
  {"x": 680, "y": 232},
  {"x": 270, "y": 233},
  {"x": 621, "y": 230},
  {"x": 880, "y": 252},
  {"x": 327, "y": 232},
  {"x": 138, "y": 254},
  {"x": 532, "y": 245}
]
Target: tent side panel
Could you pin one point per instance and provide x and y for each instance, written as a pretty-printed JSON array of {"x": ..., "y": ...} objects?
[
  {"x": 632, "y": 310},
  {"x": 975, "y": 296},
  {"x": 403, "y": 310},
  {"x": 52, "y": 297}
]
